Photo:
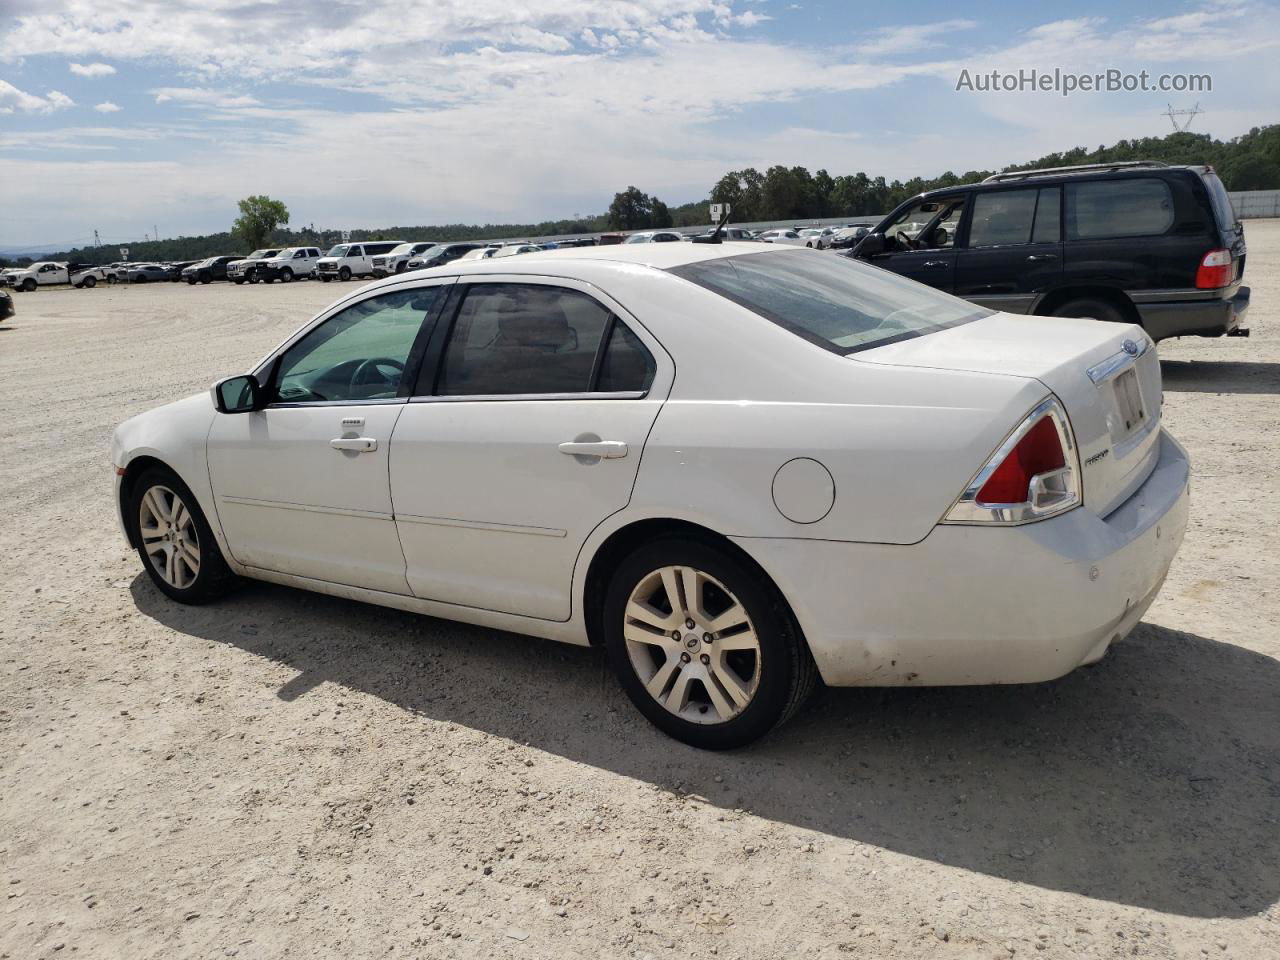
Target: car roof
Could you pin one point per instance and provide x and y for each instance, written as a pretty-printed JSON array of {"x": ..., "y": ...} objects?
[{"x": 659, "y": 256}]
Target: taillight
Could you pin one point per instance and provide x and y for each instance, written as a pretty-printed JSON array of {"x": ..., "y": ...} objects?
[
  {"x": 1033, "y": 475},
  {"x": 1215, "y": 270}
]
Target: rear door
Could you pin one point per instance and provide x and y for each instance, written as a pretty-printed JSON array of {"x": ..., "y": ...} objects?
[
  {"x": 1013, "y": 251},
  {"x": 1131, "y": 233},
  {"x": 526, "y": 440}
]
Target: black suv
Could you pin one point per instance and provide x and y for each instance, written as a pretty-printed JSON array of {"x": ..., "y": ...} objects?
[
  {"x": 441, "y": 254},
  {"x": 1137, "y": 242},
  {"x": 206, "y": 271}
]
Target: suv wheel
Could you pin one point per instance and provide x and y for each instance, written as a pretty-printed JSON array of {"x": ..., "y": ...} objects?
[
  {"x": 175, "y": 542},
  {"x": 703, "y": 644},
  {"x": 286, "y": 275},
  {"x": 344, "y": 273},
  {"x": 1094, "y": 308},
  {"x": 401, "y": 265}
]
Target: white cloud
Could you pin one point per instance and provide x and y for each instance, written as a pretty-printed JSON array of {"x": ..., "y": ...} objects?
[
  {"x": 107, "y": 107},
  {"x": 202, "y": 96},
  {"x": 907, "y": 39},
  {"x": 13, "y": 100},
  {"x": 91, "y": 69}
]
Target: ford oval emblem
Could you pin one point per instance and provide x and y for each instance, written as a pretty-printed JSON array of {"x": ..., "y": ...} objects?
[{"x": 1130, "y": 348}]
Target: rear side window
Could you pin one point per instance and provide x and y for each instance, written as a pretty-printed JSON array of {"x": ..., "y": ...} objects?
[
  {"x": 627, "y": 365},
  {"x": 1223, "y": 212},
  {"x": 515, "y": 338},
  {"x": 1118, "y": 208},
  {"x": 837, "y": 303},
  {"x": 1002, "y": 218}
]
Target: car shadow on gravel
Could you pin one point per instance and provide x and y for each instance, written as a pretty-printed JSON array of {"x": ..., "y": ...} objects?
[
  {"x": 1151, "y": 779},
  {"x": 1220, "y": 376}
]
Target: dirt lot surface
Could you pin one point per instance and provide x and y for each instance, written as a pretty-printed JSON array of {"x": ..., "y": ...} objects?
[{"x": 282, "y": 774}]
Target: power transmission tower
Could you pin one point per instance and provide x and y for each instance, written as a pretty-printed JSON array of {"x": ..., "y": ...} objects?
[
  {"x": 96, "y": 241},
  {"x": 1173, "y": 115}
]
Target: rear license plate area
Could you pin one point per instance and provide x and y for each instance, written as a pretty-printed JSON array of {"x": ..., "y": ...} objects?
[{"x": 1130, "y": 411}]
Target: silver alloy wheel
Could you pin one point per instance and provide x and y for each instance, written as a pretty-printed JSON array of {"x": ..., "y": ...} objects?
[
  {"x": 692, "y": 644},
  {"x": 169, "y": 538}
]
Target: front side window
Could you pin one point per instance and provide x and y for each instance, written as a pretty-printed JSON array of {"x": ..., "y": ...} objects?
[
  {"x": 358, "y": 354},
  {"x": 835, "y": 302},
  {"x": 515, "y": 338},
  {"x": 1132, "y": 207}
]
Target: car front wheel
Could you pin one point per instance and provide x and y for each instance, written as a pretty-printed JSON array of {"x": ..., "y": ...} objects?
[
  {"x": 286, "y": 275},
  {"x": 344, "y": 274},
  {"x": 174, "y": 540},
  {"x": 704, "y": 645}
]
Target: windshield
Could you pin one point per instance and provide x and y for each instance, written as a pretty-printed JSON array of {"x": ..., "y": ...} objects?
[
  {"x": 339, "y": 251},
  {"x": 837, "y": 303},
  {"x": 639, "y": 238},
  {"x": 432, "y": 252}
]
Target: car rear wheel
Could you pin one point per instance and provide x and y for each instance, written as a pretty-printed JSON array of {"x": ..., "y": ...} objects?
[
  {"x": 344, "y": 273},
  {"x": 704, "y": 645},
  {"x": 175, "y": 541},
  {"x": 1094, "y": 308}
]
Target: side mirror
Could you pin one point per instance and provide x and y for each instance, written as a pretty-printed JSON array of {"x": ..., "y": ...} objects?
[
  {"x": 241, "y": 394},
  {"x": 869, "y": 245}
]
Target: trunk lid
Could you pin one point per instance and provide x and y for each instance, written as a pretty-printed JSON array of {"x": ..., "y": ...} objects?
[{"x": 1106, "y": 375}]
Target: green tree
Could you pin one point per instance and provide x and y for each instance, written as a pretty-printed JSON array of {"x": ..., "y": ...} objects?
[
  {"x": 659, "y": 215},
  {"x": 631, "y": 209},
  {"x": 259, "y": 217}
]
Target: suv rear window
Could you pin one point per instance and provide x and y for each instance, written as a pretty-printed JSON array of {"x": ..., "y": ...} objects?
[
  {"x": 1118, "y": 208},
  {"x": 839, "y": 304}
]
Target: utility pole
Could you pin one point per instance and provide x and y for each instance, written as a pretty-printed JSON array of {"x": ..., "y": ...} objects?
[
  {"x": 96, "y": 241},
  {"x": 155, "y": 232}
]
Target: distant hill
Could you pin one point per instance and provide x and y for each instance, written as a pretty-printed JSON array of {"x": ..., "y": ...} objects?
[{"x": 1248, "y": 162}]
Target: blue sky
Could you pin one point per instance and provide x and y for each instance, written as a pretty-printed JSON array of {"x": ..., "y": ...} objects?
[{"x": 123, "y": 116}]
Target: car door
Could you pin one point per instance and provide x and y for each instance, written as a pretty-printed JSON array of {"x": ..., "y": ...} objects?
[
  {"x": 1013, "y": 253},
  {"x": 920, "y": 243},
  {"x": 528, "y": 437},
  {"x": 301, "y": 486}
]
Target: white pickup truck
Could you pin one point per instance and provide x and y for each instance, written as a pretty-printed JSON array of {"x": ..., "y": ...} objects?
[
  {"x": 291, "y": 263},
  {"x": 47, "y": 273}
]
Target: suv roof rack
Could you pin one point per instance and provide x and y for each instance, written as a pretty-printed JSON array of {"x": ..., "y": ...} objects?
[{"x": 1079, "y": 168}]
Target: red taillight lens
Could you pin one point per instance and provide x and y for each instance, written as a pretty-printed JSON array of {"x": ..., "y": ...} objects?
[
  {"x": 1215, "y": 270},
  {"x": 1039, "y": 451}
]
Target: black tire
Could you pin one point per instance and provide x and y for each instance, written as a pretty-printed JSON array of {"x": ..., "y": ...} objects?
[
  {"x": 325, "y": 278},
  {"x": 251, "y": 275},
  {"x": 214, "y": 577},
  {"x": 1093, "y": 308},
  {"x": 787, "y": 674},
  {"x": 205, "y": 278},
  {"x": 142, "y": 278},
  {"x": 112, "y": 278},
  {"x": 28, "y": 285},
  {"x": 401, "y": 265},
  {"x": 286, "y": 275},
  {"x": 191, "y": 281},
  {"x": 238, "y": 280},
  {"x": 344, "y": 273},
  {"x": 89, "y": 282}
]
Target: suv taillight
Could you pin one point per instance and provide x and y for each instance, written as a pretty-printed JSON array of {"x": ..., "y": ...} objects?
[
  {"x": 1034, "y": 474},
  {"x": 1215, "y": 270}
]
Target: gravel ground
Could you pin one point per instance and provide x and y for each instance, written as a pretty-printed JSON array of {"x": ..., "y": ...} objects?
[{"x": 283, "y": 774}]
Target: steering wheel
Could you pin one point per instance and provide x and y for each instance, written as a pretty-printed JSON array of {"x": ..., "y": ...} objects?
[{"x": 374, "y": 364}]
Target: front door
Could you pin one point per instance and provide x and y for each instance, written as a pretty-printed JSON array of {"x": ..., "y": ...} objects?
[
  {"x": 526, "y": 440},
  {"x": 921, "y": 242},
  {"x": 301, "y": 487}
]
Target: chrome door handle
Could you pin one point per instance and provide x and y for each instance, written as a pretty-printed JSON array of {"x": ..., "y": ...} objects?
[
  {"x": 934, "y": 263},
  {"x": 1037, "y": 257},
  {"x": 358, "y": 444},
  {"x": 608, "y": 449}
]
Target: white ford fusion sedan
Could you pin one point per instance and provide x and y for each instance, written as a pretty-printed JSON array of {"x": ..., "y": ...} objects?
[{"x": 736, "y": 469}]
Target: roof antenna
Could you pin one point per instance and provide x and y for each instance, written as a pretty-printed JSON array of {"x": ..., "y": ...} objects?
[{"x": 719, "y": 216}]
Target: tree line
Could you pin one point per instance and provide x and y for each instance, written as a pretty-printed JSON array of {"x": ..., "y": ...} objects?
[{"x": 1247, "y": 162}]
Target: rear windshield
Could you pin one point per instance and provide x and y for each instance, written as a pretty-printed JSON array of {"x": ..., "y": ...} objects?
[{"x": 839, "y": 304}]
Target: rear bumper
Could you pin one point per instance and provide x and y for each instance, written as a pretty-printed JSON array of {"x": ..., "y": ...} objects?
[
  {"x": 983, "y": 605},
  {"x": 1195, "y": 318}
]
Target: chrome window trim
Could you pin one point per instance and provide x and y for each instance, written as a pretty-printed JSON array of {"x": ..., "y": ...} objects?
[
  {"x": 490, "y": 397},
  {"x": 1117, "y": 363},
  {"x": 968, "y": 510},
  {"x": 292, "y": 404}
]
